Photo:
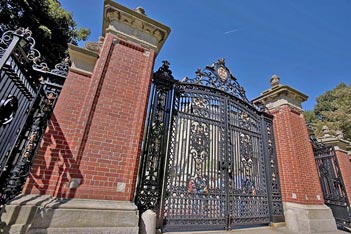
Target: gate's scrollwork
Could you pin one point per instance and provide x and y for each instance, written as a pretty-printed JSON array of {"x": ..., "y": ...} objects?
[
  {"x": 8, "y": 109},
  {"x": 151, "y": 172},
  {"x": 218, "y": 76},
  {"x": 28, "y": 93},
  {"x": 332, "y": 183},
  {"x": 216, "y": 163}
]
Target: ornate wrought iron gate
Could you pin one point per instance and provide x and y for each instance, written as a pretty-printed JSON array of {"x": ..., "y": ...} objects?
[
  {"x": 332, "y": 183},
  {"x": 28, "y": 93},
  {"x": 209, "y": 158}
]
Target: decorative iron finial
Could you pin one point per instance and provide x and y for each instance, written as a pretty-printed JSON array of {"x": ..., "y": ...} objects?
[
  {"x": 166, "y": 64},
  {"x": 164, "y": 72},
  {"x": 62, "y": 68},
  {"x": 221, "y": 61},
  {"x": 275, "y": 80}
]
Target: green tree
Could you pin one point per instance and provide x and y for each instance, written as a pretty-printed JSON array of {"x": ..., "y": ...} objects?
[
  {"x": 51, "y": 25},
  {"x": 333, "y": 109}
]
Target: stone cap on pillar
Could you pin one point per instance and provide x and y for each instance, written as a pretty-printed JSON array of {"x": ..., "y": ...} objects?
[
  {"x": 336, "y": 140},
  {"x": 83, "y": 60},
  {"x": 279, "y": 95},
  {"x": 134, "y": 26}
]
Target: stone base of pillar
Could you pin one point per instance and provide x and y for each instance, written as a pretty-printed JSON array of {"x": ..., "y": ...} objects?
[
  {"x": 308, "y": 218},
  {"x": 44, "y": 214}
]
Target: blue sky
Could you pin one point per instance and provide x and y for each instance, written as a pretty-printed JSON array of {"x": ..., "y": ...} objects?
[{"x": 306, "y": 42}]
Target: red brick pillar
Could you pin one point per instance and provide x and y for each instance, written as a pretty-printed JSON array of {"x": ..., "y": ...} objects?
[
  {"x": 92, "y": 146},
  {"x": 301, "y": 191},
  {"x": 345, "y": 168}
]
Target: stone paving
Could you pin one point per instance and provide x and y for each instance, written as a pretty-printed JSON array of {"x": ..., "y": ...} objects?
[{"x": 257, "y": 230}]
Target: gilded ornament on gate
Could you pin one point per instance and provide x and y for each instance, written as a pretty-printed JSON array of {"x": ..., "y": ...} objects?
[{"x": 222, "y": 73}]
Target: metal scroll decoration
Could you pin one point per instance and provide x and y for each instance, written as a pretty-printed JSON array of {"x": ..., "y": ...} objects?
[
  {"x": 218, "y": 76},
  {"x": 199, "y": 147},
  {"x": 32, "y": 54},
  {"x": 62, "y": 68},
  {"x": 19, "y": 173},
  {"x": 152, "y": 161},
  {"x": 247, "y": 163},
  {"x": 8, "y": 109},
  {"x": 276, "y": 199},
  {"x": 27, "y": 99},
  {"x": 332, "y": 183}
]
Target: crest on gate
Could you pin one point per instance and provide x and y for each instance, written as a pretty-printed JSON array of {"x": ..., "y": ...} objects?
[{"x": 218, "y": 76}]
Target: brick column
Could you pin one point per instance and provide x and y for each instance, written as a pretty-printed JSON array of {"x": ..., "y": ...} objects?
[
  {"x": 301, "y": 191},
  {"x": 90, "y": 152}
]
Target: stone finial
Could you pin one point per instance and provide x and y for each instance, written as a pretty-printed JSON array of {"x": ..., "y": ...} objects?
[
  {"x": 339, "y": 134},
  {"x": 275, "y": 80},
  {"x": 325, "y": 131},
  {"x": 140, "y": 10},
  {"x": 93, "y": 46}
]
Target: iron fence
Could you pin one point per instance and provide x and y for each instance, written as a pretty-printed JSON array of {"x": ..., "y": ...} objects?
[
  {"x": 28, "y": 93},
  {"x": 332, "y": 183}
]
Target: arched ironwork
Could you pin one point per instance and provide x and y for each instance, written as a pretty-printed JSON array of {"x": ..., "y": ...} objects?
[
  {"x": 209, "y": 159},
  {"x": 218, "y": 76}
]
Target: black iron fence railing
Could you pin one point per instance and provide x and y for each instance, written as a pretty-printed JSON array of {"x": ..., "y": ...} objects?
[
  {"x": 28, "y": 93},
  {"x": 332, "y": 183}
]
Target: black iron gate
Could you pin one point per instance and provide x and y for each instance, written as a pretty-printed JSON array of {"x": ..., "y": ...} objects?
[
  {"x": 28, "y": 93},
  {"x": 332, "y": 183},
  {"x": 209, "y": 159}
]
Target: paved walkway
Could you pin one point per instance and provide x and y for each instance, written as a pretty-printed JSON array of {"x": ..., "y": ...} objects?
[{"x": 257, "y": 230}]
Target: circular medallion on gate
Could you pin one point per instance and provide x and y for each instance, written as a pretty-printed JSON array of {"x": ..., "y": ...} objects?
[
  {"x": 222, "y": 73},
  {"x": 8, "y": 108}
]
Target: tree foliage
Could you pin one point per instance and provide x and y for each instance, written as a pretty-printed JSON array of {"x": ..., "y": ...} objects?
[
  {"x": 51, "y": 25},
  {"x": 333, "y": 109}
]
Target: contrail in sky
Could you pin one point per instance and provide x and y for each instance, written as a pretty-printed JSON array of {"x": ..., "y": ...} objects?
[{"x": 231, "y": 31}]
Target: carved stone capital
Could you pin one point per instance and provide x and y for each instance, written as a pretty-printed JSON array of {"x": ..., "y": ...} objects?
[
  {"x": 279, "y": 95},
  {"x": 133, "y": 26}
]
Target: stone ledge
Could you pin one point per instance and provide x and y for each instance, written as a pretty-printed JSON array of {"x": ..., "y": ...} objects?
[
  {"x": 108, "y": 230},
  {"x": 309, "y": 218},
  {"x": 32, "y": 200},
  {"x": 92, "y": 204},
  {"x": 36, "y": 214},
  {"x": 83, "y": 60}
]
